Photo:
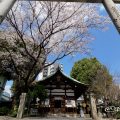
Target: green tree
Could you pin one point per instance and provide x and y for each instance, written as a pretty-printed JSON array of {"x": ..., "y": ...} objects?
[
  {"x": 37, "y": 91},
  {"x": 90, "y": 71}
]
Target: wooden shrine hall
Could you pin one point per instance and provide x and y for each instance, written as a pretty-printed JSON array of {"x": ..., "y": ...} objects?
[{"x": 63, "y": 92}]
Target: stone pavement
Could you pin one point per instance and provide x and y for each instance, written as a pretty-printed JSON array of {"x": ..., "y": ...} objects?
[
  {"x": 44, "y": 118},
  {"x": 51, "y": 118}
]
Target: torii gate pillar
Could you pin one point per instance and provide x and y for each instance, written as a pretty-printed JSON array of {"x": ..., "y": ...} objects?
[
  {"x": 113, "y": 12},
  {"x": 5, "y": 6}
]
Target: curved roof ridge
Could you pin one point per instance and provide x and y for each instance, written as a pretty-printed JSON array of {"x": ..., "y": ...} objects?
[
  {"x": 58, "y": 69},
  {"x": 72, "y": 78}
]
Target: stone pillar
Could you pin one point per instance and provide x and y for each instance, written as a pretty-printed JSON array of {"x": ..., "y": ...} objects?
[
  {"x": 113, "y": 12},
  {"x": 5, "y": 6},
  {"x": 21, "y": 105},
  {"x": 93, "y": 107}
]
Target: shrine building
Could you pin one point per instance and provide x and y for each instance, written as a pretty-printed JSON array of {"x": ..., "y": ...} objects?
[{"x": 63, "y": 92}]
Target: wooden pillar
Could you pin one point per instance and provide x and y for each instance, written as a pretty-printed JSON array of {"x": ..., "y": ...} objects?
[
  {"x": 65, "y": 88},
  {"x": 21, "y": 105},
  {"x": 85, "y": 101},
  {"x": 65, "y": 96},
  {"x": 50, "y": 98}
]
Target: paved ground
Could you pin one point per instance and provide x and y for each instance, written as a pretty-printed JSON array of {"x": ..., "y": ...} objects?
[{"x": 47, "y": 118}]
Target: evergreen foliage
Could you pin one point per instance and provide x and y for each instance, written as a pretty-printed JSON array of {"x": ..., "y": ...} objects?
[
  {"x": 93, "y": 73},
  {"x": 38, "y": 92}
]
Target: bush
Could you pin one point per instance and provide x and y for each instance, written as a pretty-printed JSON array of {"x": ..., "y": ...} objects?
[
  {"x": 13, "y": 113},
  {"x": 4, "y": 110},
  {"x": 118, "y": 115}
]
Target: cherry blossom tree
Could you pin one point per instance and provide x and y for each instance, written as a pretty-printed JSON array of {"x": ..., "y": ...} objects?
[{"x": 38, "y": 32}]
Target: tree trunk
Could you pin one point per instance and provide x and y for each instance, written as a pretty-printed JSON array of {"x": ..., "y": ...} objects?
[
  {"x": 93, "y": 107},
  {"x": 21, "y": 105}
]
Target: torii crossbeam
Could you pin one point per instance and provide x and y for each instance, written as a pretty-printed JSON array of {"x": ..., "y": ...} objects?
[
  {"x": 86, "y": 1},
  {"x": 6, "y": 5}
]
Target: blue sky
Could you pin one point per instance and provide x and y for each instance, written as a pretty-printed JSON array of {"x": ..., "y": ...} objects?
[{"x": 105, "y": 47}]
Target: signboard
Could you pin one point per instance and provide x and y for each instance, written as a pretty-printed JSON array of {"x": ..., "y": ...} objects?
[
  {"x": 112, "y": 109},
  {"x": 70, "y": 103}
]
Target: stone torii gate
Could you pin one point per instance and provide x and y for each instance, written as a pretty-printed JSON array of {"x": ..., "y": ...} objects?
[{"x": 114, "y": 13}]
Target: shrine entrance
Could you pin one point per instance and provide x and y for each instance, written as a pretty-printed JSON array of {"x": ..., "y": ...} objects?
[
  {"x": 57, "y": 106},
  {"x": 58, "y": 103}
]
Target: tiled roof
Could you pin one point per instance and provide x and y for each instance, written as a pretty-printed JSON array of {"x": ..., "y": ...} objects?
[{"x": 70, "y": 78}]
